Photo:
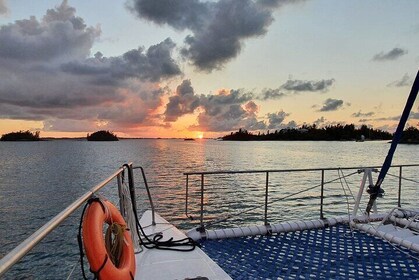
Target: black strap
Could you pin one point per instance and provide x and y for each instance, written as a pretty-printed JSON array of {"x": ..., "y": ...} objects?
[
  {"x": 79, "y": 236},
  {"x": 96, "y": 273},
  {"x": 157, "y": 243}
]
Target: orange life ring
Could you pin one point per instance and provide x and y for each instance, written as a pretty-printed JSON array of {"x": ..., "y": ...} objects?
[{"x": 100, "y": 262}]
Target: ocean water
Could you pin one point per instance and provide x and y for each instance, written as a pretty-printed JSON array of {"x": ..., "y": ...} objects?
[{"x": 39, "y": 179}]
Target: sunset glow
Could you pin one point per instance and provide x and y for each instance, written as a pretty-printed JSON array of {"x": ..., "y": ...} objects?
[{"x": 160, "y": 73}]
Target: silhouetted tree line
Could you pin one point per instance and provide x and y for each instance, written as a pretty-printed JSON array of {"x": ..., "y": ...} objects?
[
  {"x": 102, "y": 135},
  {"x": 410, "y": 136},
  {"x": 21, "y": 136},
  {"x": 337, "y": 132}
]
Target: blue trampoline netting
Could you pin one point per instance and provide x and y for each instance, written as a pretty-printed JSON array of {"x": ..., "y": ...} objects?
[{"x": 329, "y": 253}]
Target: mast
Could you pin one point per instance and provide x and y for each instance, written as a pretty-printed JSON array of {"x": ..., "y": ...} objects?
[{"x": 375, "y": 190}]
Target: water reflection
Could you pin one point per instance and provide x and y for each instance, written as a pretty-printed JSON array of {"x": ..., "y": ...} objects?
[{"x": 39, "y": 179}]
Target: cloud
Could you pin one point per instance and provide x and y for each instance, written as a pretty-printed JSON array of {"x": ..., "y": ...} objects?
[
  {"x": 183, "y": 102},
  {"x": 153, "y": 65},
  {"x": 319, "y": 121},
  {"x": 218, "y": 28},
  {"x": 3, "y": 8},
  {"x": 277, "y": 3},
  {"x": 359, "y": 114},
  {"x": 58, "y": 35},
  {"x": 271, "y": 94},
  {"x": 403, "y": 82},
  {"x": 390, "y": 55},
  {"x": 312, "y": 86},
  {"x": 414, "y": 115},
  {"x": 275, "y": 119},
  {"x": 47, "y": 74},
  {"x": 294, "y": 87},
  {"x": 225, "y": 111},
  {"x": 331, "y": 105}
]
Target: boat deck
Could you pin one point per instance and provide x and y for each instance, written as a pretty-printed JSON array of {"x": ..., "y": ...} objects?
[
  {"x": 163, "y": 264},
  {"x": 329, "y": 253}
]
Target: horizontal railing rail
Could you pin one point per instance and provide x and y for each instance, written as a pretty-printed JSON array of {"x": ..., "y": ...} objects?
[
  {"x": 27, "y": 245},
  {"x": 267, "y": 172},
  {"x": 289, "y": 170}
]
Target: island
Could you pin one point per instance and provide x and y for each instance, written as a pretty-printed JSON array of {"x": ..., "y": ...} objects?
[
  {"x": 410, "y": 136},
  {"x": 21, "y": 136},
  {"x": 102, "y": 135},
  {"x": 337, "y": 132}
]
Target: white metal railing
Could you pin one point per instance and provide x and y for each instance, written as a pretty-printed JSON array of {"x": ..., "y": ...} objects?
[
  {"x": 202, "y": 175},
  {"x": 27, "y": 245}
]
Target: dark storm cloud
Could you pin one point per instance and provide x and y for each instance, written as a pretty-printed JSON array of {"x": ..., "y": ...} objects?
[
  {"x": 46, "y": 74},
  {"x": 225, "y": 97},
  {"x": 303, "y": 85},
  {"x": 3, "y": 7},
  {"x": 185, "y": 14},
  {"x": 403, "y": 82},
  {"x": 59, "y": 34},
  {"x": 331, "y": 105},
  {"x": 183, "y": 102},
  {"x": 231, "y": 117},
  {"x": 153, "y": 65},
  {"x": 227, "y": 110},
  {"x": 221, "y": 40},
  {"x": 277, "y": 3},
  {"x": 360, "y": 114},
  {"x": 390, "y": 55},
  {"x": 218, "y": 27}
]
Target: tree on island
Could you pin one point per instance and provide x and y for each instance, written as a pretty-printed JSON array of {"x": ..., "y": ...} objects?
[
  {"x": 102, "y": 135},
  {"x": 410, "y": 136},
  {"x": 21, "y": 136},
  {"x": 306, "y": 132}
]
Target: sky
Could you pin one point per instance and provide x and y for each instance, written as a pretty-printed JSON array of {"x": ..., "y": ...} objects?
[{"x": 202, "y": 68}]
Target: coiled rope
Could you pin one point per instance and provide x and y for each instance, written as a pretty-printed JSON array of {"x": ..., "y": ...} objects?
[
  {"x": 182, "y": 245},
  {"x": 114, "y": 241}
]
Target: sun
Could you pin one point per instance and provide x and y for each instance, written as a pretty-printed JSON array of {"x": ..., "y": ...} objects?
[{"x": 201, "y": 135}]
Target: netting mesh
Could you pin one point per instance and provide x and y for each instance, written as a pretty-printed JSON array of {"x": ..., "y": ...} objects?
[{"x": 330, "y": 253}]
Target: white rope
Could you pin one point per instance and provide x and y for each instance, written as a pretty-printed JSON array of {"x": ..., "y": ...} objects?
[
  {"x": 72, "y": 270},
  {"x": 347, "y": 200},
  {"x": 129, "y": 215},
  {"x": 387, "y": 239}
]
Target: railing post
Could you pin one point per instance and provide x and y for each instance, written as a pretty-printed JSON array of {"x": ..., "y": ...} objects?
[
  {"x": 201, "y": 228},
  {"x": 186, "y": 200},
  {"x": 266, "y": 199},
  {"x": 153, "y": 218},
  {"x": 400, "y": 187},
  {"x": 322, "y": 196}
]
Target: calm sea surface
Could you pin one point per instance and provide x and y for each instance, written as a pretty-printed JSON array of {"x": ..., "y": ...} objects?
[{"x": 39, "y": 179}]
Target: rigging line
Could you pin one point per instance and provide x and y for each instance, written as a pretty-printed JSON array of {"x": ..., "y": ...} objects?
[
  {"x": 347, "y": 200},
  {"x": 404, "y": 178},
  {"x": 72, "y": 270},
  {"x": 274, "y": 200},
  {"x": 375, "y": 190},
  {"x": 392, "y": 244},
  {"x": 347, "y": 185}
]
